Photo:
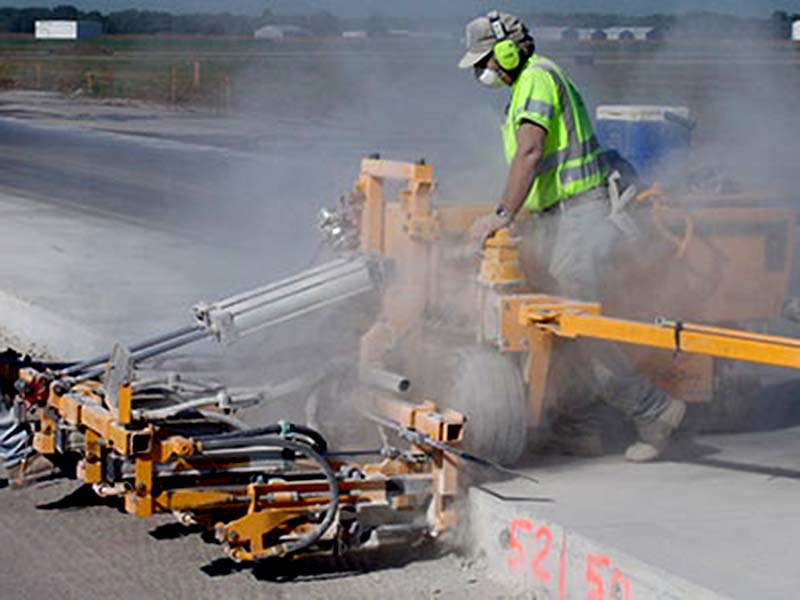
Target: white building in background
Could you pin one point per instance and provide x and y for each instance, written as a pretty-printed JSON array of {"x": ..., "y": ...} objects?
[
  {"x": 279, "y": 32},
  {"x": 68, "y": 30},
  {"x": 628, "y": 33},
  {"x": 356, "y": 34},
  {"x": 796, "y": 32},
  {"x": 588, "y": 33}
]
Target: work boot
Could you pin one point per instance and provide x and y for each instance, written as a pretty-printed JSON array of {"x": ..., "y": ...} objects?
[
  {"x": 30, "y": 470},
  {"x": 654, "y": 435}
]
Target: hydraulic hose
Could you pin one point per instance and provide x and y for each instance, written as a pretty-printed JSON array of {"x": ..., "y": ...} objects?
[
  {"x": 317, "y": 441},
  {"x": 300, "y": 448}
]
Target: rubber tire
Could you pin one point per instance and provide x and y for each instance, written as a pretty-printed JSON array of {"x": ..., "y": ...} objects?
[{"x": 487, "y": 388}]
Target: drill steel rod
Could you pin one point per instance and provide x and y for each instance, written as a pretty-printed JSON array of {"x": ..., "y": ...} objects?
[
  {"x": 193, "y": 335},
  {"x": 99, "y": 360},
  {"x": 420, "y": 439}
]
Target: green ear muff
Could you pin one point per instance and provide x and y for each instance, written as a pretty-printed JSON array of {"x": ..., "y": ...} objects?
[{"x": 506, "y": 53}]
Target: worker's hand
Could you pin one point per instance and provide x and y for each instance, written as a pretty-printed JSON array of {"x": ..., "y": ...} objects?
[{"x": 484, "y": 228}]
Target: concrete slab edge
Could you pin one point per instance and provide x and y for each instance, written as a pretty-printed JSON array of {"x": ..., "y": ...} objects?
[
  {"x": 43, "y": 333},
  {"x": 545, "y": 560}
]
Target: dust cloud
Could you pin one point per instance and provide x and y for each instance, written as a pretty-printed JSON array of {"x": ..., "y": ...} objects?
[
  {"x": 314, "y": 109},
  {"x": 318, "y": 109}
]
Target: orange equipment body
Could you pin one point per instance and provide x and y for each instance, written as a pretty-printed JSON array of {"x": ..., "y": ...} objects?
[
  {"x": 724, "y": 260},
  {"x": 735, "y": 258}
]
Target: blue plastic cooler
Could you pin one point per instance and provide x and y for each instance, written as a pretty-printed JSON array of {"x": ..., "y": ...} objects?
[{"x": 654, "y": 139}]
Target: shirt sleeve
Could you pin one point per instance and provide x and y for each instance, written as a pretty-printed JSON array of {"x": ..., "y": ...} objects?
[{"x": 538, "y": 98}]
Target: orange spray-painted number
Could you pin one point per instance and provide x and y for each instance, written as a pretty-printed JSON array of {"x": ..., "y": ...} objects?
[
  {"x": 516, "y": 558},
  {"x": 543, "y": 533},
  {"x": 620, "y": 582},
  {"x": 593, "y": 578},
  {"x": 517, "y": 550}
]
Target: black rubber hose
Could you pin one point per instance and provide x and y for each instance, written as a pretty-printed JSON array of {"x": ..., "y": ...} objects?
[
  {"x": 333, "y": 486},
  {"x": 319, "y": 443}
]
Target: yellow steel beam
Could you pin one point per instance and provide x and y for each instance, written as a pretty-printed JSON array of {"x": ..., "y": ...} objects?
[{"x": 684, "y": 337}]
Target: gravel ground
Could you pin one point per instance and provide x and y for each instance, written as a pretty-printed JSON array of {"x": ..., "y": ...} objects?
[{"x": 61, "y": 542}]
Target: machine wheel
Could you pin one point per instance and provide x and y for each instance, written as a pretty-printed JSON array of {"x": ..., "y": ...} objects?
[{"x": 487, "y": 388}]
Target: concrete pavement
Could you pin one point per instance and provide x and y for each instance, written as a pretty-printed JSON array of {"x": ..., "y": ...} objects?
[
  {"x": 73, "y": 283},
  {"x": 721, "y": 513}
]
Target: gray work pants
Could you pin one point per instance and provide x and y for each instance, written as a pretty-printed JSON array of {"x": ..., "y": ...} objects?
[
  {"x": 567, "y": 251},
  {"x": 14, "y": 437}
]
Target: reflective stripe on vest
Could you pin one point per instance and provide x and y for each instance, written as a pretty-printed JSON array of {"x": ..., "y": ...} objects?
[
  {"x": 573, "y": 174},
  {"x": 571, "y": 152},
  {"x": 575, "y": 149},
  {"x": 545, "y": 109}
]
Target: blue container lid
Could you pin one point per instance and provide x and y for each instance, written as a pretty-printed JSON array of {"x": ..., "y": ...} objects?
[{"x": 679, "y": 115}]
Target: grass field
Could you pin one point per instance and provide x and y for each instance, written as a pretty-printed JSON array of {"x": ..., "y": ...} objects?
[{"x": 209, "y": 70}]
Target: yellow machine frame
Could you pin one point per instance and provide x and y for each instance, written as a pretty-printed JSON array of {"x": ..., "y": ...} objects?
[{"x": 406, "y": 231}]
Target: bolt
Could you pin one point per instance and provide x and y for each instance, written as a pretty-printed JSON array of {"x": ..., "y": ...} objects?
[
  {"x": 233, "y": 536},
  {"x": 141, "y": 487}
]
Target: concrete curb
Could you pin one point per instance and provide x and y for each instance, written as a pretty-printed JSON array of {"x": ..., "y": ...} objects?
[
  {"x": 546, "y": 560},
  {"x": 45, "y": 334}
]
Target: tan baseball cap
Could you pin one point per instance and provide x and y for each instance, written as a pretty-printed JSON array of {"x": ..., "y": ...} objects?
[{"x": 480, "y": 38}]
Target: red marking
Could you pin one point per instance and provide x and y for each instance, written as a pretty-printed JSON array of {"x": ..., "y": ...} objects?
[
  {"x": 538, "y": 570},
  {"x": 593, "y": 577},
  {"x": 516, "y": 559},
  {"x": 562, "y": 568},
  {"x": 618, "y": 580}
]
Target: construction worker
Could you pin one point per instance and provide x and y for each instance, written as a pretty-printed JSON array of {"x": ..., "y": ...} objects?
[
  {"x": 20, "y": 463},
  {"x": 14, "y": 441},
  {"x": 558, "y": 174}
]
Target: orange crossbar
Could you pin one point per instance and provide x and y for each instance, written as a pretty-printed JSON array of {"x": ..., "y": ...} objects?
[{"x": 684, "y": 337}]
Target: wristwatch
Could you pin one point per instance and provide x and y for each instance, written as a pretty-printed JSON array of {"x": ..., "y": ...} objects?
[{"x": 503, "y": 213}]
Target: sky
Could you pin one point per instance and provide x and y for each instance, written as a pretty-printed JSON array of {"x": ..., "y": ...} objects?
[{"x": 429, "y": 7}]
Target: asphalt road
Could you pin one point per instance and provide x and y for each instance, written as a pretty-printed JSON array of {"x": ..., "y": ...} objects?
[{"x": 213, "y": 194}]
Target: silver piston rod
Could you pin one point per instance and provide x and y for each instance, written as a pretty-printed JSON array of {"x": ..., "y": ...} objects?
[
  {"x": 235, "y": 317},
  {"x": 296, "y": 296}
]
